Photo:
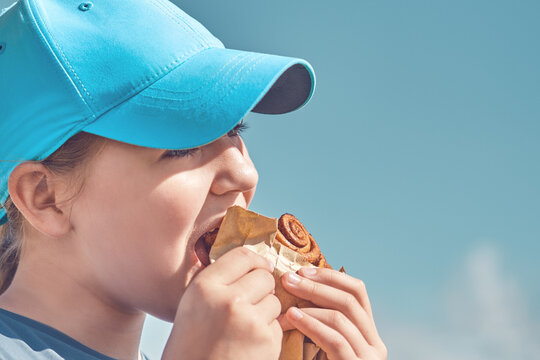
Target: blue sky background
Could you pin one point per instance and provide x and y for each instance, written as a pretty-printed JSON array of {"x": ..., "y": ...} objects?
[{"x": 415, "y": 165}]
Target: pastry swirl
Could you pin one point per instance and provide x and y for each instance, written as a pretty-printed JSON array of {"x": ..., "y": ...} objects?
[{"x": 292, "y": 233}]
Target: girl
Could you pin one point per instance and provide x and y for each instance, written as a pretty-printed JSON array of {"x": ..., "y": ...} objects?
[{"x": 120, "y": 141}]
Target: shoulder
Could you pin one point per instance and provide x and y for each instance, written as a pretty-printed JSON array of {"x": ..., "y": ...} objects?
[
  {"x": 22, "y": 338},
  {"x": 13, "y": 344}
]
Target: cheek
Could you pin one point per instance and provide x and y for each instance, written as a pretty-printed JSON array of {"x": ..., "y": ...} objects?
[{"x": 136, "y": 232}]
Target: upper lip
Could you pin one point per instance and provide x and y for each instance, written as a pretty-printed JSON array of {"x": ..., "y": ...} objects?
[{"x": 204, "y": 229}]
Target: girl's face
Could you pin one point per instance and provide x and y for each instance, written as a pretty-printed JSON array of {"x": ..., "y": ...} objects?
[{"x": 141, "y": 211}]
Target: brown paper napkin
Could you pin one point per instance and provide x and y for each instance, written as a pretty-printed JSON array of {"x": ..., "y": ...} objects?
[{"x": 242, "y": 227}]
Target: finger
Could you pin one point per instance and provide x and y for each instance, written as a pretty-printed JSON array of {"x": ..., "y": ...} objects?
[
  {"x": 269, "y": 308},
  {"x": 331, "y": 341},
  {"x": 254, "y": 285},
  {"x": 331, "y": 298},
  {"x": 340, "y": 281},
  {"x": 339, "y": 322},
  {"x": 277, "y": 332},
  {"x": 234, "y": 264},
  {"x": 285, "y": 323}
]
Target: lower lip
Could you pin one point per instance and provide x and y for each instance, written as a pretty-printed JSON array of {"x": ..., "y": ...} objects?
[{"x": 199, "y": 265}]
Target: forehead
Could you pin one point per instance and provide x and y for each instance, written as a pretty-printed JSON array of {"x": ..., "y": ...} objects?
[
  {"x": 120, "y": 147},
  {"x": 118, "y": 157}
]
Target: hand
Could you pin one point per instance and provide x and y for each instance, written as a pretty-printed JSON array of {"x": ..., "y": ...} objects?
[
  {"x": 228, "y": 312},
  {"x": 343, "y": 327}
]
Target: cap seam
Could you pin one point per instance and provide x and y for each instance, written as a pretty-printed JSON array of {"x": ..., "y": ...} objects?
[
  {"x": 51, "y": 51},
  {"x": 35, "y": 15},
  {"x": 232, "y": 61},
  {"x": 185, "y": 26},
  {"x": 137, "y": 87},
  {"x": 171, "y": 14},
  {"x": 6, "y": 9},
  {"x": 254, "y": 62},
  {"x": 148, "y": 81}
]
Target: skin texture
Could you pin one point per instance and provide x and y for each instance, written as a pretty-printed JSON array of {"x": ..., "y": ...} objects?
[
  {"x": 92, "y": 266},
  {"x": 343, "y": 325}
]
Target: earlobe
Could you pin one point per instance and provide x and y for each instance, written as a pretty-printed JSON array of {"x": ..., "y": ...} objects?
[{"x": 33, "y": 189}]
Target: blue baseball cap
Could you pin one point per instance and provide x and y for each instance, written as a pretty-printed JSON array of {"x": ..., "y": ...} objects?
[{"x": 137, "y": 71}]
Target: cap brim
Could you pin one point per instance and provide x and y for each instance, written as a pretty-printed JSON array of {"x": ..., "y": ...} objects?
[
  {"x": 201, "y": 100},
  {"x": 205, "y": 97}
]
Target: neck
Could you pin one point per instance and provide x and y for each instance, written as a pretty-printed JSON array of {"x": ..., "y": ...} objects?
[{"x": 62, "y": 298}]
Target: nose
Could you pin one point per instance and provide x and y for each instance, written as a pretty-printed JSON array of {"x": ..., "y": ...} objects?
[{"x": 235, "y": 171}]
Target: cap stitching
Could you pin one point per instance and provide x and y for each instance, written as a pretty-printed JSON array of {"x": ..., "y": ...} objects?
[
  {"x": 61, "y": 52},
  {"x": 3, "y": 11},
  {"x": 205, "y": 84},
  {"x": 170, "y": 16},
  {"x": 48, "y": 49},
  {"x": 136, "y": 89},
  {"x": 216, "y": 84},
  {"x": 181, "y": 23},
  {"x": 144, "y": 82},
  {"x": 230, "y": 90},
  {"x": 168, "y": 7}
]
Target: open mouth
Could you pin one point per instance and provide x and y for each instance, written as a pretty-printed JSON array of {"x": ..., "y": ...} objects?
[{"x": 203, "y": 245}]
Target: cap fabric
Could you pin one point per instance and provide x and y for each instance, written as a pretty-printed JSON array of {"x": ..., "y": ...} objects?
[{"x": 137, "y": 71}]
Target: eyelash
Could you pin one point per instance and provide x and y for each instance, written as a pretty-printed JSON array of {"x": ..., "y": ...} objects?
[{"x": 236, "y": 131}]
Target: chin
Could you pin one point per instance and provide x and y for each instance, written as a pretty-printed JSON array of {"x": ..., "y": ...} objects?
[
  {"x": 165, "y": 313},
  {"x": 163, "y": 304}
]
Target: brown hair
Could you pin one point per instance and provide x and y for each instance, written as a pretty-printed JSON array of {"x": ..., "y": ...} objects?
[{"x": 73, "y": 155}]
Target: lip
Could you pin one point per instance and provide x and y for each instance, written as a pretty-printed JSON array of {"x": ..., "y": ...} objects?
[{"x": 211, "y": 225}]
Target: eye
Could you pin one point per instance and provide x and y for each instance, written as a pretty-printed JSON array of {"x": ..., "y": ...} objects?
[
  {"x": 238, "y": 129},
  {"x": 179, "y": 153}
]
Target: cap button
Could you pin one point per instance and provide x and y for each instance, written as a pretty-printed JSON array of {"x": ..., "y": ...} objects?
[{"x": 85, "y": 6}]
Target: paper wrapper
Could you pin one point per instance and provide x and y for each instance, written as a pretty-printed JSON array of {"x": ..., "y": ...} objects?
[{"x": 242, "y": 227}]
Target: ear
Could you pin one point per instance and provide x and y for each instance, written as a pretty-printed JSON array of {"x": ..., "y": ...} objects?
[{"x": 35, "y": 191}]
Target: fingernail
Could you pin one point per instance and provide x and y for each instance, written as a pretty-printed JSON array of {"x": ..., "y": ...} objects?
[
  {"x": 272, "y": 264},
  {"x": 307, "y": 271},
  {"x": 293, "y": 279},
  {"x": 295, "y": 314}
]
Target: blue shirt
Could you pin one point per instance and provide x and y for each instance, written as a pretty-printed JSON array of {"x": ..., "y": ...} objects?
[{"x": 22, "y": 338}]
